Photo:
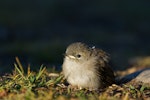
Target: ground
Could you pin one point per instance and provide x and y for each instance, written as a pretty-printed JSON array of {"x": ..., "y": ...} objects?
[{"x": 44, "y": 85}]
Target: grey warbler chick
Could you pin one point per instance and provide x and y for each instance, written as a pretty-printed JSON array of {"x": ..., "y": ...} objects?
[{"x": 87, "y": 67}]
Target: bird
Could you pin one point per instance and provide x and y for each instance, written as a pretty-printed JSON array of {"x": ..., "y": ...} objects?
[{"x": 87, "y": 67}]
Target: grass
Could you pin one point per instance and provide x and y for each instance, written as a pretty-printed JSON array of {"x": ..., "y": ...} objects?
[{"x": 44, "y": 85}]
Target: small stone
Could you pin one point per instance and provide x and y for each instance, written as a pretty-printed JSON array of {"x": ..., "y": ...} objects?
[
  {"x": 114, "y": 85},
  {"x": 110, "y": 87}
]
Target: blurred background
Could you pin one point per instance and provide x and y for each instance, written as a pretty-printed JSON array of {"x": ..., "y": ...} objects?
[{"x": 38, "y": 31}]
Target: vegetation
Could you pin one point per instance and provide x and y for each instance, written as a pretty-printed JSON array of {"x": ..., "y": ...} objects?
[{"x": 44, "y": 85}]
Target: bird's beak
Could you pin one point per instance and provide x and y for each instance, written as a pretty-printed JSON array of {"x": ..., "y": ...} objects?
[{"x": 69, "y": 56}]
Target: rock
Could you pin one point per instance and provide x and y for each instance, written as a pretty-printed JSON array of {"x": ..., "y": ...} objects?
[
  {"x": 144, "y": 76},
  {"x": 138, "y": 76}
]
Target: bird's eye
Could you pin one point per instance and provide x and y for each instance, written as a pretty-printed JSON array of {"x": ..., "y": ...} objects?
[{"x": 78, "y": 55}]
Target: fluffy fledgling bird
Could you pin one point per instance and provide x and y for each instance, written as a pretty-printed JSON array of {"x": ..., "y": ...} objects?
[{"x": 87, "y": 67}]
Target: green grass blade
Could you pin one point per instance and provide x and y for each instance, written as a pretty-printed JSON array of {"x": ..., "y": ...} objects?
[
  {"x": 20, "y": 65},
  {"x": 40, "y": 72},
  {"x": 58, "y": 79},
  {"x": 19, "y": 71}
]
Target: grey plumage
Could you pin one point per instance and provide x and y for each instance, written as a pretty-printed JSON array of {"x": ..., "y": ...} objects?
[{"x": 87, "y": 67}]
